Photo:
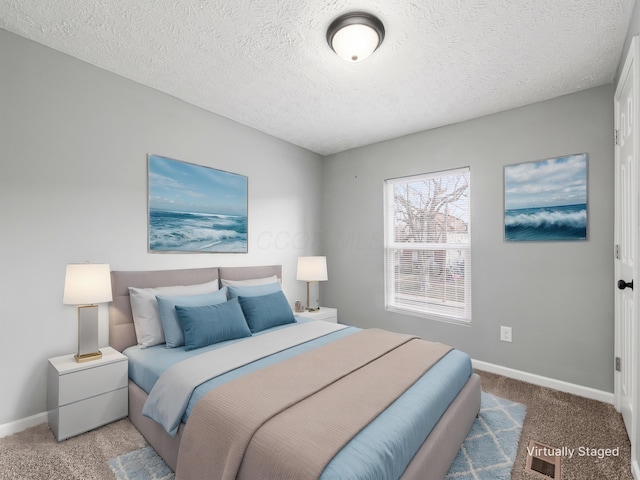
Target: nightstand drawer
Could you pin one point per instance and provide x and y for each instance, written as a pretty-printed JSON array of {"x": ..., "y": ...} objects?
[
  {"x": 85, "y": 415},
  {"x": 91, "y": 382},
  {"x": 325, "y": 314}
]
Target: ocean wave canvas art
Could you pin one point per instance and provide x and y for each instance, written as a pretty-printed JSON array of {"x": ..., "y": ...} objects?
[
  {"x": 546, "y": 200},
  {"x": 193, "y": 208}
]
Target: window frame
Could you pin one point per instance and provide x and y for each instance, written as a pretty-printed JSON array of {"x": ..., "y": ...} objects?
[{"x": 460, "y": 314}]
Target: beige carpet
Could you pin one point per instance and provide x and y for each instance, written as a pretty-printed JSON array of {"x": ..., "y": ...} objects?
[
  {"x": 554, "y": 418},
  {"x": 35, "y": 455},
  {"x": 562, "y": 420}
]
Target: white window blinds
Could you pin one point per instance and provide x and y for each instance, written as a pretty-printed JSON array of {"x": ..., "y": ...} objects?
[{"x": 428, "y": 245}]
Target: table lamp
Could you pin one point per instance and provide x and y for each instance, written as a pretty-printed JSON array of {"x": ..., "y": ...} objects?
[
  {"x": 312, "y": 269},
  {"x": 86, "y": 285}
]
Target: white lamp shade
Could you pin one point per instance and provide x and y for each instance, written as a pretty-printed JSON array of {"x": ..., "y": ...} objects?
[
  {"x": 356, "y": 42},
  {"x": 312, "y": 269},
  {"x": 87, "y": 283}
]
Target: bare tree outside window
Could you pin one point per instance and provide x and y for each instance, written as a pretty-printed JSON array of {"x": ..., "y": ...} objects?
[{"x": 428, "y": 244}]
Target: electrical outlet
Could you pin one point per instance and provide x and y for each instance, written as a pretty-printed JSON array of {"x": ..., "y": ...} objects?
[{"x": 505, "y": 334}]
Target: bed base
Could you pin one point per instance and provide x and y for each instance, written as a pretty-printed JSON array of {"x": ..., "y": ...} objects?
[{"x": 431, "y": 462}]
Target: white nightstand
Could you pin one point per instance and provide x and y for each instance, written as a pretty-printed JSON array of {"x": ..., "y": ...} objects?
[
  {"x": 325, "y": 313},
  {"x": 84, "y": 396}
]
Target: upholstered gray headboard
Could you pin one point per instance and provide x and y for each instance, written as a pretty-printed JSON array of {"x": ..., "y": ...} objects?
[{"x": 121, "y": 330}]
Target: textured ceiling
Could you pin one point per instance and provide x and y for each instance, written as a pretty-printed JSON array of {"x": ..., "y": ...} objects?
[{"x": 266, "y": 63}]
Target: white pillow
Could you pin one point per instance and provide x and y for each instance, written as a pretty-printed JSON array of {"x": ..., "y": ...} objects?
[
  {"x": 250, "y": 282},
  {"x": 144, "y": 306}
]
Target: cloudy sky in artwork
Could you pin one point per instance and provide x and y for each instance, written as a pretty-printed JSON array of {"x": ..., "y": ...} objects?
[
  {"x": 546, "y": 183},
  {"x": 184, "y": 187}
]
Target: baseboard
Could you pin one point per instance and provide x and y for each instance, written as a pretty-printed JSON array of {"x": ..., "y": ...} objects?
[
  {"x": 539, "y": 380},
  {"x": 635, "y": 470},
  {"x": 22, "y": 424}
]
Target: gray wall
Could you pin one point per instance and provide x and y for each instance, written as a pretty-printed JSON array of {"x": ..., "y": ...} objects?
[
  {"x": 73, "y": 187},
  {"x": 557, "y": 297}
]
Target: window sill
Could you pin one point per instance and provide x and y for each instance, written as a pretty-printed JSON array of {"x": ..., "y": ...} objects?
[{"x": 428, "y": 316}]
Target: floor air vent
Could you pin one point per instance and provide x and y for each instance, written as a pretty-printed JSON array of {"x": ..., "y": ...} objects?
[{"x": 541, "y": 460}]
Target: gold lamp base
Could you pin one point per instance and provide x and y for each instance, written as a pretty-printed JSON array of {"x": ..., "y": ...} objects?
[
  {"x": 87, "y": 357},
  {"x": 309, "y": 307},
  {"x": 88, "y": 334}
]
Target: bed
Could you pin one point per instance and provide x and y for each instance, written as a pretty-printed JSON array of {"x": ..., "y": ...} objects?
[{"x": 429, "y": 459}]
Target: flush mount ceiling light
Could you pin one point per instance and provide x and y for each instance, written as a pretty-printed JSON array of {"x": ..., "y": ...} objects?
[{"x": 356, "y": 35}]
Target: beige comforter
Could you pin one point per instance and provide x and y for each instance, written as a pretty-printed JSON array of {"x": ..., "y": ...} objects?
[{"x": 288, "y": 421}]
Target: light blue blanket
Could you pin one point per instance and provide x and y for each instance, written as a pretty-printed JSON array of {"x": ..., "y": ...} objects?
[{"x": 169, "y": 397}]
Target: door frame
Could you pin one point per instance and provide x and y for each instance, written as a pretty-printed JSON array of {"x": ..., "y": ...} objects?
[{"x": 631, "y": 62}]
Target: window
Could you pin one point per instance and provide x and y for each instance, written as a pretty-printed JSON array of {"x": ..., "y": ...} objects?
[{"x": 428, "y": 245}]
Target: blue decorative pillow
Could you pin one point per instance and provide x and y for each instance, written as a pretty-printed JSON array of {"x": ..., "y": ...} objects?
[
  {"x": 253, "y": 290},
  {"x": 266, "y": 311},
  {"x": 173, "y": 335},
  {"x": 211, "y": 324}
]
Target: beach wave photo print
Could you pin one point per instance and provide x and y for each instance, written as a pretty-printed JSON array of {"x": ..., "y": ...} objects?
[
  {"x": 196, "y": 209},
  {"x": 546, "y": 200}
]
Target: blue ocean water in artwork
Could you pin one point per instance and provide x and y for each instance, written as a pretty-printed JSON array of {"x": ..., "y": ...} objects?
[
  {"x": 197, "y": 232},
  {"x": 566, "y": 222}
]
